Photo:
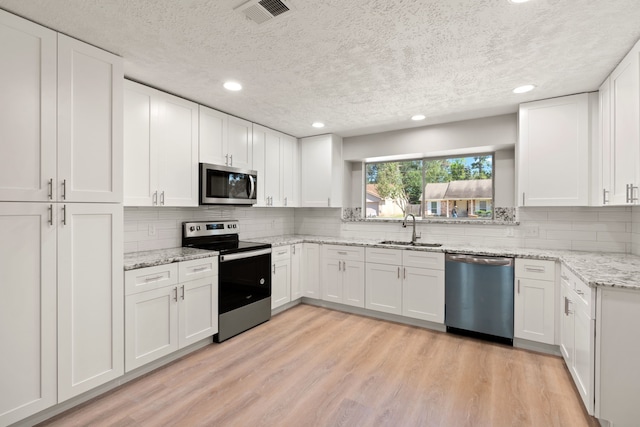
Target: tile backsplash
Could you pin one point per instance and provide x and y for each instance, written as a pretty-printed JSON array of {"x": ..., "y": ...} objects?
[{"x": 152, "y": 228}]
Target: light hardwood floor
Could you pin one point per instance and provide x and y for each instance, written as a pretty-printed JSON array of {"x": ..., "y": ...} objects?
[{"x": 311, "y": 366}]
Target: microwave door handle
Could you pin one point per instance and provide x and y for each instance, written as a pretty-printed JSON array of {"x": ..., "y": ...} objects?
[{"x": 252, "y": 187}]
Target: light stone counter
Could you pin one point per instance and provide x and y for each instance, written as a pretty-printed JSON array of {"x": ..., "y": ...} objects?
[
  {"x": 594, "y": 268},
  {"x": 136, "y": 260}
]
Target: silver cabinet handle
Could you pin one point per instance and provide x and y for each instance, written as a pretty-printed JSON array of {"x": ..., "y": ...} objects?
[
  {"x": 175, "y": 296},
  {"x": 153, "y": 278},
  {"x": 64, "y": 189},
  {"x": 154, "y": 199},
  {"x": 342, "y": 253},
  {"x": 50, "y": 214},
  {"x": 64, "y": 214},
  {"x": 632, "y": 198},
  {"x": 51, "y": 189},
  {"x": 523, "y": 198},
  {"x": 518, "y": 286},
  {"x": 579, "y": 292},
  {"x": 285, "y": 201},
  {"x": 231, "y": 160},
  {"x": 398, "y": 272},
  {"x": 563, "y": 277},
  {"x": 344, "y": 265},
  {"x": 329, "y": 202},
  {"x": 274, "y": 269},
  {"x": 162, "y": 198},
  {"x": 534, "y": 269},
  {"x": 294, "y": 249},
  {"x": 197, "y": 269},
  {"x": 604, "y": 196},
  {"x": 182, "y": 295},
  {"x": 226, "y": 159},
  {"x": 405, "y": 273},
  {"x": 282, "y": 253}
]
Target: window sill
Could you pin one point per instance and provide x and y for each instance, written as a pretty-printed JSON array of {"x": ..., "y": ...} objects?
[{"x": 435, "y": 221}]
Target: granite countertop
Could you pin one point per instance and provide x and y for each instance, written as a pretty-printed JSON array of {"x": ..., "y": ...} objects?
[
  {"x": 594, "y": 268},
  {"x": 136, "y": 260}
]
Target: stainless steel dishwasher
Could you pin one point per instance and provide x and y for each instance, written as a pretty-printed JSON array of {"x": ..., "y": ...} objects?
[{"x": 479, "y": 296}]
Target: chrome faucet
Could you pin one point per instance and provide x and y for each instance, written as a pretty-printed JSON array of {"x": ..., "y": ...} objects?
[{"x": 404, "y": 225}]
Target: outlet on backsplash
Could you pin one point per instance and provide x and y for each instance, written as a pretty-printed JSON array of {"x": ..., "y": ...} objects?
[
  {"x": 152, "y": 230},
  {"x": 530, "y": 231}
]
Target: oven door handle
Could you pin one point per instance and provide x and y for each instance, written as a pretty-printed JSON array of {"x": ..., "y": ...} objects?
[{"x": 242, "y": 255}]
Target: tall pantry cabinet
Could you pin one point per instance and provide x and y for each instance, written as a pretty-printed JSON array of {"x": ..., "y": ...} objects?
[{"x": 61, "y": 313}]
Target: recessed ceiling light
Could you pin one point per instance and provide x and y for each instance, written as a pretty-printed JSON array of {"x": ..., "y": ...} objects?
[
  {"x": 518, "y": 1},
  {"x": 317, "y": 124},
  {"x": 418, "y": 117},
  {"x": 234, "y": 86},
  {"x": 524, "y": 89}
]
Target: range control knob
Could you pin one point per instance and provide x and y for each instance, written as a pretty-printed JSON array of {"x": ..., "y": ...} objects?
[
  {"x": 192, "y": 228},
  {"x": 198, "y": 228},
  {"x": 228, "y": 225},
  {"x": 235, "y": 225}
]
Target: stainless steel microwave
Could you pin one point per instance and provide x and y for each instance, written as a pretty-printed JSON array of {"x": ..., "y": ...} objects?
[{"x": 224, "y": 185}]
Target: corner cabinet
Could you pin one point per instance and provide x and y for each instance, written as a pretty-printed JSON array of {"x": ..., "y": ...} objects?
[
  {"x": 160, "y": 148},
  {"x": 620, "y": 130},
  {"x": 321, "y": 170},
  {"x": 553, "y": 151},
  {"x": 64, "y": 142}
]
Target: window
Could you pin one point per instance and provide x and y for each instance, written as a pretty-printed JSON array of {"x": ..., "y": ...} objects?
[{"x": 452, "y": 187}]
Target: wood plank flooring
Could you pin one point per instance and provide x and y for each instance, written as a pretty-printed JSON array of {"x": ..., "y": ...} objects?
[{"x": 311, "y": 366}]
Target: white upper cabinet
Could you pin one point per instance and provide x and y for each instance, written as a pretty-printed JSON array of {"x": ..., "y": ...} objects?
[
  {"x": 89, "y": 123},
  {"x": 321, "y": 169},
  {"x": 621, "y": 148},
  {"x": 553, "y": 151},
  {"x": 60, "y": 117},
  {"x": 225, "y": 140},
  {"x": 28, "y": 133},
  {"x": 161, "y": 148},
  {"x": 290, "y": 171}
]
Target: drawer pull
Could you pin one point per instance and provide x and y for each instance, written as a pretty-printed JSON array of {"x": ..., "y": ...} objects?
[
  {"x": 153, "y": 278},
  {"x": 534, "y": 269},
  {"x": 341, "y": 253},
  {"x": 564, "y": 277},
  {"x": 282, "y": 253},
  {"x": 579, "y": 292},
  {"x": 198, "y": 269}
]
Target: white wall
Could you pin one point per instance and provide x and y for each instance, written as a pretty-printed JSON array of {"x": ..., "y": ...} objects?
[
  {"x": 167, "y": 223},
  {"x": 583, "y": 229},
  {"x": 498, "y": 133}
]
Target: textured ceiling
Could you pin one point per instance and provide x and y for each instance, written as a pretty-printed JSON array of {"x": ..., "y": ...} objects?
[{"x": 360, "y": 66}]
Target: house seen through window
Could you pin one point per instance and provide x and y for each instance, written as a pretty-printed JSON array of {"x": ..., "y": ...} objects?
[{"x": 453, "y": 187}]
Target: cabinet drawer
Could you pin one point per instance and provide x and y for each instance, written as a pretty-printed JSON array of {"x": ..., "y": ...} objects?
[
  {"x": 580, "y": 289},
  {"x": 145, "y": 279},
  {"x": 280, "y": 253},
  {"x": 384, "y": 256},
  {"x": 353, "y": 253},
  {"x": 422, "y": 259},
  {"x": 197, "y": 268},
  {"x": 535, "y": 269}
]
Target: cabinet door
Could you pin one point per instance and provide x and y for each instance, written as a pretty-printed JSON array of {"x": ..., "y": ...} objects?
[
  {"x": 296, "y": 265},
  {"x": 332, "y": 280},
  {"x": 240, "y": 143},
  {"x": 27, "y": 110},
  {"x": 604, "y": 197},
  {"x": 584, "y": 337},
  {"x": 566, "y": 326},
  {"x": 311, "y": 271},
  {"x": 534, "y": 309},
  {"x": 176, "y": 136},
  {"x": 151, "y": 331},
  {"x": 315, "y": 171},
  {"x": 90, "y": 296},
  {"x": 272, "y": 176},
  {"x": 140, "y": 156},
  {"x": 27, "y": 309},
  {"x": 553, "y": 152},
  {"x": 423, "y": 294},
  {"x": 89, "y": 123},
  {"x": 290, "y": 174},
  {"x": 353, "y": 283},
  {"x": 280, "y": 283},
  {"x": 197, "y": 310},
  {"x": 259, "y": 163},
  {"x": 213, "y": 136},
  {"x": 384, "y": 288},
  {"x": 625, "y": 132}
]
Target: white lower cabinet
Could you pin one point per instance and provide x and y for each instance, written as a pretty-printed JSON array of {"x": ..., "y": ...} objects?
[
  {"x": 535, "y": 300},
  {"x": 343, "y": 274},
  {"x": 408, "y": 283},
  {"x": 577, "y": 334},
  {"x": 280, "y": 276},
  {"x": 169, "y": 307},
  {"x": 310, "y": 276},
  {"x": 296, "y": 271}
]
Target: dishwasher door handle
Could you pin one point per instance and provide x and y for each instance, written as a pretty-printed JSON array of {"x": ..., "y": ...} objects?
[{"x": 482, "y": 260}]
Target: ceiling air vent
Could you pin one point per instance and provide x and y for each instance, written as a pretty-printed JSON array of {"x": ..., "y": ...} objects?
[{"x": 261, "y": 11}]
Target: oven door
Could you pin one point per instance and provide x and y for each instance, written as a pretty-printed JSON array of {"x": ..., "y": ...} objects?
[
  {"x": 244, "y": 278},
  {"x": 227, "y": 185}
]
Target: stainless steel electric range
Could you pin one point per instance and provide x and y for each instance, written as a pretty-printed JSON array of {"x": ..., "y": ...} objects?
[{"x": 244, "y": 270}]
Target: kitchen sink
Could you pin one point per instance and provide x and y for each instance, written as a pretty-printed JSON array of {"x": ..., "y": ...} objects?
[{"x": 415, "y": 244}]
